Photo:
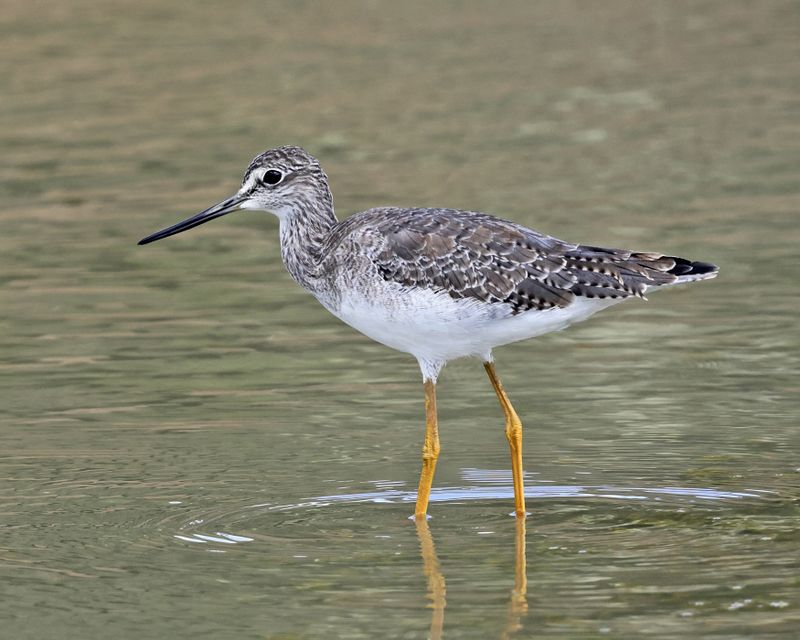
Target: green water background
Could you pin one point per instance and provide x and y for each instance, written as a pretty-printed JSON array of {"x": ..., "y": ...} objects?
[{"x": 190, "y": 446}]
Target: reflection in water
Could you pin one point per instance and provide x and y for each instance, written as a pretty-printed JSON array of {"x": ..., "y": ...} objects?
[
  {"x": 518, "y": 606},
  {"x": 436, "y": 586}
]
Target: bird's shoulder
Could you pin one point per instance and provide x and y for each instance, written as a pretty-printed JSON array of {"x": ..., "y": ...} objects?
[{"x": 435, "y": 232}]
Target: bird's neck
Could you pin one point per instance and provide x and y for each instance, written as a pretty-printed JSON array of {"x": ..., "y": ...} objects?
[{"x": 303, "y": 232}]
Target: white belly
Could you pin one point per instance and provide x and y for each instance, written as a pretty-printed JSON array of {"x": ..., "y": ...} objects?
[{"x": 437, "y": 328}]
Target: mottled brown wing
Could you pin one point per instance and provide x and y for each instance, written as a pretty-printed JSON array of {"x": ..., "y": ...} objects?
[{"x": 474, "y": 255}]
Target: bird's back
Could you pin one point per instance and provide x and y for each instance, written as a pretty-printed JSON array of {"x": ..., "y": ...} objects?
[{"x": 472, "y": 255}]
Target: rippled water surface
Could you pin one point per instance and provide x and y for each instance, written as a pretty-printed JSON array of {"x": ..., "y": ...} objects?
[{"x": 190, "y": 446}]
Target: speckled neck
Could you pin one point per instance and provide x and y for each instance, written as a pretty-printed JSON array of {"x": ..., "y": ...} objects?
[{"x": 303, "y": 231}]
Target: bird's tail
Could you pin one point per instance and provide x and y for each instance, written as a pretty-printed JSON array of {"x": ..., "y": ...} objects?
[
  {"x": 691, "y": 271},
  {"x": 619, "y": 273}
]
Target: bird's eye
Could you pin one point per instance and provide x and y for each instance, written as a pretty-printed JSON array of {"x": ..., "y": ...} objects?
[{"x": 272, "y": 177}]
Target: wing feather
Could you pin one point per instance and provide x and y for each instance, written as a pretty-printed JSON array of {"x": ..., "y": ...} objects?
[{"x": 477, "y": 256}]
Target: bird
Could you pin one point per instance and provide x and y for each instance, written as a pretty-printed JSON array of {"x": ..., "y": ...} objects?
[{"x": 436, "y": 283}]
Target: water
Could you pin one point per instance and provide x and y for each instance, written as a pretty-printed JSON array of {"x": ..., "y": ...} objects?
[{"x": 191, "y": 447}]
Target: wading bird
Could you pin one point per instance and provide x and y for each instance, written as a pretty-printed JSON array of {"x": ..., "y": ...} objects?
[{"x": 439, "y": 284}]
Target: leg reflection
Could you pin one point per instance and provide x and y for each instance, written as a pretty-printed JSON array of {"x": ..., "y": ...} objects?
[
  {"x": 518, "y": 606},
  {"x": 436, "y": 588}
]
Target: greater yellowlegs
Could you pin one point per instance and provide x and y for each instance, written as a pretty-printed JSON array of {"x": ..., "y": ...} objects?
[{"x": 439, "y": 284}]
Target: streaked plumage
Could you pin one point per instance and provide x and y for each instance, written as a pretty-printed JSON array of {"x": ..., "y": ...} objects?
[
  {"x": 474, "y": 255},
  {"x": 438, "y": 283}
]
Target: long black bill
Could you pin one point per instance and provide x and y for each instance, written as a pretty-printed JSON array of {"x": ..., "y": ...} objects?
[{"x": 217, "y": 211}]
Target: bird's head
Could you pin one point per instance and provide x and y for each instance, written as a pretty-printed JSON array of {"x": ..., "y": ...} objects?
[{"x": 284, "y": 181}]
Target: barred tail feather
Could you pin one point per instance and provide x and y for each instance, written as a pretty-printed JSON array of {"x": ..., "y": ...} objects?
[{"x": 692, "y": 271}]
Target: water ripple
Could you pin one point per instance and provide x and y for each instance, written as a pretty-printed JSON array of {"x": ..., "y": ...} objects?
[
  {"x": 501, "y": 492},
  {"x": 214, "y": 526}
]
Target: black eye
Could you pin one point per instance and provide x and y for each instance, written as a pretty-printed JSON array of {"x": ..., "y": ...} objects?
[{"x": 272, "y": 177}]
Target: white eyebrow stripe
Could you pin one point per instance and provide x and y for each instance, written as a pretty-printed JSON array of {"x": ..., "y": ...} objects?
[{"x": 250, "y": 183}]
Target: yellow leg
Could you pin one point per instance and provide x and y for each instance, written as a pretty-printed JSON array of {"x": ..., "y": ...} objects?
[
  {"x": 514, "y": 437},
  {"x": 430, "y": 451}
]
